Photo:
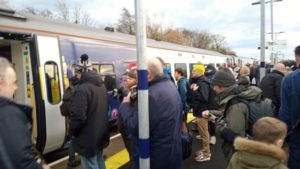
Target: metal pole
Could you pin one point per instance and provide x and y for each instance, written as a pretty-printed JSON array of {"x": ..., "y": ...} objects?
[
  {"x": 262, "y": 39},
  {"x": 272, "y": 35},
  {"x": 143, "y": 103}
]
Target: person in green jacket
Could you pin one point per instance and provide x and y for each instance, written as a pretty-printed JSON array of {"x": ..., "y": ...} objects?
[
  {"x": 264, "y": 152},
  {"x": 235, "y": 118}
]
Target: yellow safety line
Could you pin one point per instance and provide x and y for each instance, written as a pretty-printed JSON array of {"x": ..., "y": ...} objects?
[
  {"x": 122, "y": 157},
  {"x": 117, "y": 160}
]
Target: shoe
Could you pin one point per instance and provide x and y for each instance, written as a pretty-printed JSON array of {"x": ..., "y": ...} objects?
[
  {"x": 73, "y": 164},
  {"x": 213, "y": 140},
  {"x": 201, "y": 158},
  {"x": 198, "y": 137}
]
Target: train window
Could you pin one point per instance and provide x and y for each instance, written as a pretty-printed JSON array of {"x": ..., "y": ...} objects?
[
  {"x": 52, "y": 82},
  {"x": 180, "y": 65},
  {"x": 168, "y": 65},
  {"x": 107, "y": 68},
  {"x": 191, "y": 67},
  {"x": 96, "y": 67},
  {"x": 108, "y": 75}
]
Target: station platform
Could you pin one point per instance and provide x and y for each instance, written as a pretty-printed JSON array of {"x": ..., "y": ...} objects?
[{"x": 116, "y": 156}]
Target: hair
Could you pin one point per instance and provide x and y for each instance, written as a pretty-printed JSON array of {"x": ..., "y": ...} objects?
[
  {"x": 161, "y": 61},
  {"x": 155, "y": 67},
  {"x": 4, "y": 65},
  {"x": 268, "y": 130},
  {"x": 245, "y": 71},
  {"x": 297, "y": 51},
  {"x": 279, "y": 66},
  {"x": 181, "y": 71}
]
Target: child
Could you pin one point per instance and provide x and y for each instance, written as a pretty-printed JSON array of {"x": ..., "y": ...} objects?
[{"x": 265, "y": 150}]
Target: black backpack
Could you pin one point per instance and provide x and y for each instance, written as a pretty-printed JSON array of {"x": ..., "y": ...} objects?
[
  {"x": 65, "y": 107},
  {"x": 258, "y": 108}
]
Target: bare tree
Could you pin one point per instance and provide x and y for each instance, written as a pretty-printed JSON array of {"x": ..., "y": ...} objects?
[
  {"x": 175, "y": 36},
  {"x": 34, "y": 11},
  {"x": 81, "y": 17},
  {"x": 63, "y": 10},
  {"x": 126, "y": 22}
]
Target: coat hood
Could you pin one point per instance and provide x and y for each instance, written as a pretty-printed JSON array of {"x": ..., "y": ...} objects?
[
  {"x": 91, "y": 77},
  {"x": 258, "y": 154}
]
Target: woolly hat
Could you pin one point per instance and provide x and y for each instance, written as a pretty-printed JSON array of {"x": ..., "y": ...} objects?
[
  {"x": 223, "y": 78},
  {"x": 200, "y": 68},
  {"x": 132, "y": 73}
]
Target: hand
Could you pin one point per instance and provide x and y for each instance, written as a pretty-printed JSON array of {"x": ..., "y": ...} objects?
[
  {"x": 205, "y": 114},
  {"x": 127, "y": 98},
  {"x": 195, "y": 87},
  {"x": 46, "y": 166}
]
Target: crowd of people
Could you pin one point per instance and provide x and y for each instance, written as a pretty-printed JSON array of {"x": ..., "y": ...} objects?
[{"x": 219, "y": 98}]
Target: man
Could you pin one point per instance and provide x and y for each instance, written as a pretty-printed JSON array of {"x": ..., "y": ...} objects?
[
  {"x": 182, "y": 85},
  {"x": 289, "y": 111},
  {"x": 235, "y": 115},
  {"x": 15, "y": 133},
  {"x": 270, "y": 85},
  {"x": 89, "y": 119},
  {"x": 165, "y": 118},
  {"x": 198, "y": 99}
]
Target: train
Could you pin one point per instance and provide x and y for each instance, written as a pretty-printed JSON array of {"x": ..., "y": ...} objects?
[{"x": 44, "y": 53}]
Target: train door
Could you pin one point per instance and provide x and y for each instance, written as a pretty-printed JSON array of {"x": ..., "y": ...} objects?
[
  {"x": 50, "y": 69},
  {"x": 16, "y": 49}
]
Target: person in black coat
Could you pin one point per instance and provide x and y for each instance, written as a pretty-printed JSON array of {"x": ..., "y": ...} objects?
[
  {"x": 89, "y": 119},
  {"x": 271, "y": 84},
  {"x": 15, "y": 125}
]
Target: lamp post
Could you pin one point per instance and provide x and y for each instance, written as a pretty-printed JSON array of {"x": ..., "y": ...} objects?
[{"x": 272, "y": 25}]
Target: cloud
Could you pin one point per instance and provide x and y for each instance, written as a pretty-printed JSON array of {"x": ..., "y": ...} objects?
[{"x": 237, "y": 20}]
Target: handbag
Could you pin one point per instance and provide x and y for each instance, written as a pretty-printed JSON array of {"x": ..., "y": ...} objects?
[{"x": 187, "y": 142}]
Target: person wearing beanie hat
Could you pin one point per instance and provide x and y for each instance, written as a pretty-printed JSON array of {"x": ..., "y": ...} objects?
[
  {"x": 223, "y": 78},
  {"x": 198, "y": 99},
  {"x": 200, "y": 68},
  {"x": 233, "y": 110}
]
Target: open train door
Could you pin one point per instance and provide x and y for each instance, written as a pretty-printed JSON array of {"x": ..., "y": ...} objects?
[{"x": 50, "y": 71}]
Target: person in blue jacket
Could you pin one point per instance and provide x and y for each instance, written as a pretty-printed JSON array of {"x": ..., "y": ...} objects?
[
  {"x": 289, "y": 111},
  {"x": 183, "y": 87},
  {"x": 165, "y": 118}
]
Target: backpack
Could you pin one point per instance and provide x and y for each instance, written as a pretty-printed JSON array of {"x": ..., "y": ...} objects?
[
  {"x": 65, "y": 107},
  {"x": 187, "y": 144},
  {"x": 258, "y": 108}
]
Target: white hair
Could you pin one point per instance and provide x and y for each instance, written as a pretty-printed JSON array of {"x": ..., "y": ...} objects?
[
  {"x": 154, "y": 66},
  {"x": 4, "y": 65}
]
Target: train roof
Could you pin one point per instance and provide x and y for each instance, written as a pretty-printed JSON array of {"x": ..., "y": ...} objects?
[{"x": 23, "y": 22}]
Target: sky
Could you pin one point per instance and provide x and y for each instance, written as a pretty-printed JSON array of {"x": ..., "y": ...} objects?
[{"x": 237, "y": 20}]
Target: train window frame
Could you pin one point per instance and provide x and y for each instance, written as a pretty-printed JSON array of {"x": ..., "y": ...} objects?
[
  {"x": 48, "y": 78},
  {"x": 111, "y": 74}
]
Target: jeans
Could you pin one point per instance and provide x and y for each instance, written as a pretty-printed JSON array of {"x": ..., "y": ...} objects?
[
  {"x": 95, "y": 162},
  {"x": 71, "y": 153}
]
